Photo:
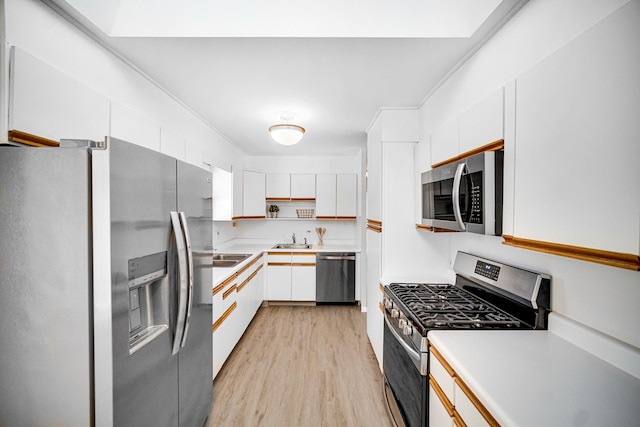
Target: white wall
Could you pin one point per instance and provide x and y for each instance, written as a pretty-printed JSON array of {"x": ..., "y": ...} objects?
[{"x": 602, "y": 297}]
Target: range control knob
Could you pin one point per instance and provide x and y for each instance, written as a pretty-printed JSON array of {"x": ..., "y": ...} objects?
[
  {"x": 402, "y": 323},
  {"x": 407, "y": 329},
  {"x": 395, "y": 313},
  {"x": 388, "y": 304}
]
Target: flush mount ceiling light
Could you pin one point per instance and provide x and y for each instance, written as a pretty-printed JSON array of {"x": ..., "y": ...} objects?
[{"x": 286, "y": 133}]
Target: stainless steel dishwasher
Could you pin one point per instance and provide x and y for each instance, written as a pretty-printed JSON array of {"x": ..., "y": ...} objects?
[{"x": 335, "y": 278}]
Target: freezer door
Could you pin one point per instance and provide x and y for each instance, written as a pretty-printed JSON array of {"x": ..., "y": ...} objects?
[
  {"x": 143, "y": 193},
  {"x": 195, "y": 358},
  {"x": 45, "y": 278}
]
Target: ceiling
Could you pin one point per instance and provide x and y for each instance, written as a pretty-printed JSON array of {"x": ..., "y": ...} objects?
[{"x": 236, "y": 67}]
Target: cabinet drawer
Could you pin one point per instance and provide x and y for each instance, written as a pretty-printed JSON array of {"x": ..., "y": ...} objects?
[
  {"x": 224, "y": 295},
  {"x": 442, "y": 373}
]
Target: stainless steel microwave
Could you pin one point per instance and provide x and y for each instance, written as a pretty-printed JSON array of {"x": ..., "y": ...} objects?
[{"x": 465, "y": 195}]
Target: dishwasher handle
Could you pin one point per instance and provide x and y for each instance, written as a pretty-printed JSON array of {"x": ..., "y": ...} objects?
[{"x": 336, "y": 257}]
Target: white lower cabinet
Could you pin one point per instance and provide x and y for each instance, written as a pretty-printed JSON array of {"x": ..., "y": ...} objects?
[
  {"x": 451, "y": 402},
  {"x": 303, "y": 277},
  {"x": 291, "y": 276},
  {"x": 235, "y": 303}
]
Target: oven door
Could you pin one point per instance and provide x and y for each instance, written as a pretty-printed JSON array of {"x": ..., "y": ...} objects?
[{"x": 406, "y": 389}]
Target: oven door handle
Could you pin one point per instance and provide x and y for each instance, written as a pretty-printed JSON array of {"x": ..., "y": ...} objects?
[
  {"x": 412, "y": 353},
  {"x": 455, "y": 196}
]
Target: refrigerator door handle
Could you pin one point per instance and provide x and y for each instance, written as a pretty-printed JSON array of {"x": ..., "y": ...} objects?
[
  {"x": 187, "y": 241},
  {"x": 183, "y": 287}
]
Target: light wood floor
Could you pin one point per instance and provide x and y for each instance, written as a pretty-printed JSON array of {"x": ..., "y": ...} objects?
[{"x": 301, "y": 366}]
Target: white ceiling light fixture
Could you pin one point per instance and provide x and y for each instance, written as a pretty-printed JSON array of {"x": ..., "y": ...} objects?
[{"x": 286, "y": 133}]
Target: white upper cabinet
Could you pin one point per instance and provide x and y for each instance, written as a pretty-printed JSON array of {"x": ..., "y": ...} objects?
[
  {"x": 278, "y": 186},
  {"x": 222, "y": 189},
  {"x": 51, "y": 104},
  {"x": 445, "y": 142},
  {"x": 253, "y": 195},
  {"x": 336, "y": 196},
  {"x": 326, "y": 196},
  {"x": 577, "y": 150},
  {"x": 476, "y": 127},
  {"x": 134, "y": 127},
  {"x": 483, "y": 123},
  {"x": 303, "y": 186},
  {"x": 237, "y": 178},
  {"x": 347, "y": 196}
]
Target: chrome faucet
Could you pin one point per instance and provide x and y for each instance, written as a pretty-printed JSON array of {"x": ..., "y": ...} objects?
[{"x": 294, "y": 238}]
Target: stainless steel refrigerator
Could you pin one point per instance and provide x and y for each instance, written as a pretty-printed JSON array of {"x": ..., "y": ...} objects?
[{"x": 105, "y": 287}]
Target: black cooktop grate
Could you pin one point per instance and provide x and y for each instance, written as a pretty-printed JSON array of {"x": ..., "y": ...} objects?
[{"x": 445, "y": 306}]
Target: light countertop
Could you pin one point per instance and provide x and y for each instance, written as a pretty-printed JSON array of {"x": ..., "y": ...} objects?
[
  {"x": 255, "y": 248},
  {"x": 536, "y": 378}
]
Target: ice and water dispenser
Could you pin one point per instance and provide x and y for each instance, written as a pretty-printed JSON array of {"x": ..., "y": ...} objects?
[{"x": 148, "y": 299}]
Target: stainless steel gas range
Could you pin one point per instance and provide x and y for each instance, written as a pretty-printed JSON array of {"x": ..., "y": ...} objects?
[{"x": 486, "y": 295}]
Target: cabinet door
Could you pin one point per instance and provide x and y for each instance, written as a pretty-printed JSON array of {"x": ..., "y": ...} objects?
[
  {"x": 577, "y": 150},
  {"x": 374, "y": 174},
  {"x": 278, "y": 186},
  {"x": 303, "y": 277},
  {"x": 326, "y": 196},
  {"x": 444, "y": 142},
  {"x": 49, "y": 103},
  {"x": 303, "y": 186},
  {"x": 374, "y": 296},
  {"x": 346, "y": 196},
  {"x": 279, "y": 283},
  {"x": 483, "y": 123},
  {"x": 253, "y": 195},
  {"x": 237, "y": 184}
]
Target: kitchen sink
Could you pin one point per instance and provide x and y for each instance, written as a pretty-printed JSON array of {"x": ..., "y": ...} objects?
[
  {"x": 292, "y": 246},
  {"x": 228, "y": 260}
]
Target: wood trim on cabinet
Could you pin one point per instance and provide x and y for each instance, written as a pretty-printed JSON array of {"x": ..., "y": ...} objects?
[
  {"x": 277, "y": 199},
  {"x": 303, "y": 199},
  {"x": 222, "y": 285},
  {"x": 350, "y": 218},
  {"x": 442, "y": 361},
  {"x": 448, "y": 406},
  {"x": 428, "y": 228},
  {"x": 303, "y": 264},
  {"x": 32, "y": 140},
  {"x": 381, "y": 307},
  {"x": 613, "y": 259},
  {"x": 303, "y": 253},
  {"x": 374, "y": 229},
  {"x": 374, "y": 222},
  {"x": 280, "y": 253},
  {"x": 224, "y": 316},
  {"x": 381, "y": 288},
  {"x": 229, "y": 291},
  {"x": 253, "y": 217},
  {"x": 492, "y": 146},
  {"x": 253, "y": 261},
  {"x": 251, "y": 276},
  {"x": 457, "y": 419},
  {"x": 479, "y": 406}
]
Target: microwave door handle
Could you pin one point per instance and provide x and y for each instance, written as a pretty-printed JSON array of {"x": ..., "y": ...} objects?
[
  {"x": 457, "y": 179},
  {"x": 181, "y": 250},
  {"x": 187, "y": 242}
]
